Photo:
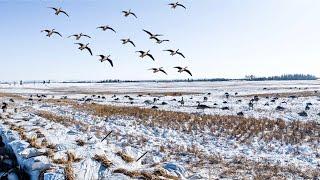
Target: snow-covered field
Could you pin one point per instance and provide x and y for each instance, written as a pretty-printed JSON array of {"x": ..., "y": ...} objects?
[{"x": 194, "y": 130}]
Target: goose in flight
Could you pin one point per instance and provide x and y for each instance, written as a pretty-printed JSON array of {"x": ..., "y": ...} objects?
[
  {"x": 152, "y": 36},
  {"x": 175, "y": 52},
  {"x": 181, "y": 69},
  {"x": 78, "y": 36},
  {"x": 58, "y": 11},
  {"x": 128, "y": 13},
  {"x": 106, "y": 27},
  {"x": 160, "y": 41},
  {"x": 83, "y": 46},
  {"x": 106, "y": 58},
  {"x": 175, "y": 5},
  {"x": 51, "y": 32},
  {"x": 155, "y": 70},
  {"x": 125, "y": 41},
  {"x": 145, "y": 53}
]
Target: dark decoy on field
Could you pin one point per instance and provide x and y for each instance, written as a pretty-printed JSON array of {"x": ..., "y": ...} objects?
[
  {"x": 280, "y": 108},
  {"x": 202, "y": 106},
  {"x": 181, "y": 101},
  {"x": 181, "y": 69},
  {"x": 78, "y": 36},
  {"x": 307, "y": 108},
  {"x": 51, "y": 32},
  {"x": 154, "y": 107},
  {"x": 303, "y": 114},
  {"x": 145, "y": 53},
  {"x": 58, "y": 11},
  {"x": 125, "y": 41},
  {"x": 164, "y": 103},
  {"x": 240, "y": 113},
  {"x": 83, "y": 46},
  {"x": 225, "y": 108}
]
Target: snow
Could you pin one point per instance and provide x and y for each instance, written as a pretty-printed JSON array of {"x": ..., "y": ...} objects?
[{"x": 128, "y": 131}]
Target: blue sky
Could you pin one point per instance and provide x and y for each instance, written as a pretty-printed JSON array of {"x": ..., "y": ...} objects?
[{"x": 220, "y": 38}]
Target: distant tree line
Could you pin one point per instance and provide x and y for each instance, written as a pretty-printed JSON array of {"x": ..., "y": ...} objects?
[{"x": 284, "y": 77}]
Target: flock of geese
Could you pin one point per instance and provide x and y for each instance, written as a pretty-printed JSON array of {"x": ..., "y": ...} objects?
[{"x": 142, "y": 54}]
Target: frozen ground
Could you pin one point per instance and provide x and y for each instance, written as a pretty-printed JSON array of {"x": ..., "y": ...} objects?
[{"x": 44, "y": 125}]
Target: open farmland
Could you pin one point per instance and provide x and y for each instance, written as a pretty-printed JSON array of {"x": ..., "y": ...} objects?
[{"x": 194, "y": 130}]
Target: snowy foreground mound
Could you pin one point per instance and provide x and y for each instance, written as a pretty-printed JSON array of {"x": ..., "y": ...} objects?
[{"x": 64, "y": 132}]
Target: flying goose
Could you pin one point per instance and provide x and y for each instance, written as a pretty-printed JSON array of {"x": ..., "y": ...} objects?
[
  {"x": 128, "y": 13},
  {"x": 58, "y": 11},
  {"x": 78, "y": 36},
  {"x": 51, "y": 32},
  {"x": 175, "y": 5},
  {"x": 125, "y": 41},
  {"x": 82, "y": 47},
  {"x": 106, "y": 27},
  {"x": 160, "y": 41},
  {"x": 145, "y": 53},
  {"x": 172, "y": 52},
  {"x": 155, "y": 70},
  {"x": 180, "y": 70},
  {"x": 106, "y": 58},
  {"x": 152, "y": 36}
]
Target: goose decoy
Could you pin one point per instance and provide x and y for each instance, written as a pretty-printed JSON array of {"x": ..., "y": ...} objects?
[
  {"x": 152, "y": 36},
  {"x": 128, "y": 13},
  {"x": 176, "y": 4},
  {"x": 106, "y": 27},
  {"x": 280, "y": 108},
  {"x": 175, "y": 52},
  {"x": 155, "y": 70},
  {"x": 78, "y": 36},
  {"x": 303, "y": 114},
  {"x": 181, "y": 69},
  {"x": 145, "y": 53},
  {"x": 125, "y": 41},
  {"x": 82, "y": 47},
  {"x": 105, "y": 58},
  {"x": 202, "y": 106},
  {"x": 51, "y": 32},
  {"x": 181, "y": 101},
  {"x": 307, "y": 108},
  {"x": 58, "y": 11},
  {"x": 160, "y": 41},
  {"x": 240, "y": 113}
]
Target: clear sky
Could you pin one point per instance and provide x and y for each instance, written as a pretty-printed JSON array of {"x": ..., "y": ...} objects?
[{"x": 220, "y": 38}]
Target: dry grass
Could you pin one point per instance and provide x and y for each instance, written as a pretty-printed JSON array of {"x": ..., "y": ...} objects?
[
  {"x": 132, "y": 174},
  {"x": 68, "y": 171},
  {"x": 103, "y": 160},
  {"x": 241, "y": 128},
  {"x": 72, "y": 157},
  {"x": 10, "y": 95},
  {"x": 64, "y": 120},
  {"x": 33, "y": 142},
  {"x": 157, "y": 174},
  {"x": 125, "y": 157}
]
